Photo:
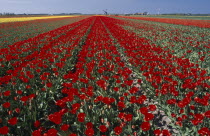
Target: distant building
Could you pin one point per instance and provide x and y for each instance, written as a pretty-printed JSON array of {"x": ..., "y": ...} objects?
[
  {"x": 138, "y": 13},
  {"x": 144, "y": 13}
]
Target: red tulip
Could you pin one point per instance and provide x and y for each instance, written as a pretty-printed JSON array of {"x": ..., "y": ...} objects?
[
  {"x": 13, "y": 121},
  {"x": 145, "y": 126},
  {"x": 118, "y": 130},
  {"x": 103, "y": 128}
]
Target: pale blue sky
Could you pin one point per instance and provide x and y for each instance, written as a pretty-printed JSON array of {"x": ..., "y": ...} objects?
[{"x": 112, "y": 6}]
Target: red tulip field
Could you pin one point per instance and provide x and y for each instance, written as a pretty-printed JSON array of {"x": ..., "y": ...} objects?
[{"x": 105, "y": 76}]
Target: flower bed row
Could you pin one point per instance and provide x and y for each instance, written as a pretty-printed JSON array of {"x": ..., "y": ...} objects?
[
  {"x": 13, "y": 32},
  {"x": 21, "y": 52},
  {"x": 188, "y": 42},
  {"x": 30, "y": 87},
  {"x": 187, "y": 22}
]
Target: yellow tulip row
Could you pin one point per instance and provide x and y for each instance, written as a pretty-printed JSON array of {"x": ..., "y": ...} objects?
[{"x": 16, "y": 19}]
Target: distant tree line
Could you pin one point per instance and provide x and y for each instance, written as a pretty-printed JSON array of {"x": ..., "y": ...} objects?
[
  {"x": 142, "y": 13},
  {"x": 7, "y": 14}
]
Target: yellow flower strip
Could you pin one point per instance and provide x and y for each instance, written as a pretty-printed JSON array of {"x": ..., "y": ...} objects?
[{"x": 16, "y": 19}]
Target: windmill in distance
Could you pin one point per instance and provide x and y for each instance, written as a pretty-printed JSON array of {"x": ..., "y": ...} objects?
[{"x": 105, "y": 12}]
